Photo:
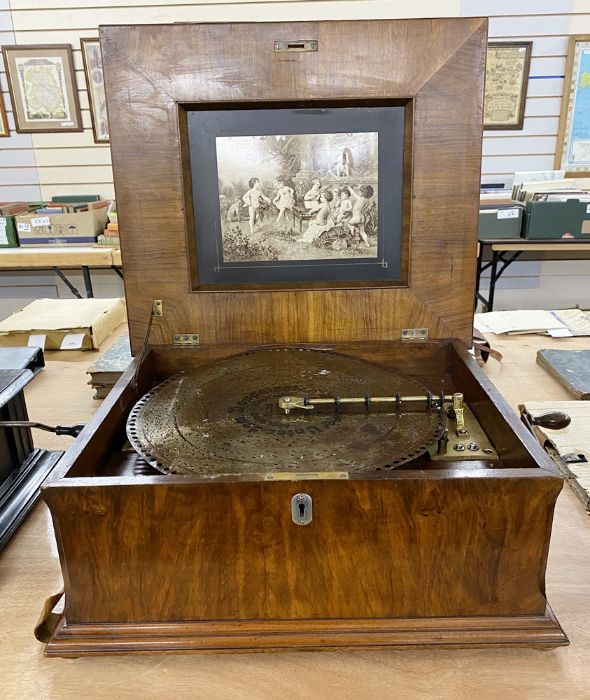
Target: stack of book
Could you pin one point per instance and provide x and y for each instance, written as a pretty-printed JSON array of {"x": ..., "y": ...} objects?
[
  {"x": 105, "y": 372},
  {"x": 110, "y": 235},
  {"x": 549, "y": 186},
  {"x": 67, "y": 204}
]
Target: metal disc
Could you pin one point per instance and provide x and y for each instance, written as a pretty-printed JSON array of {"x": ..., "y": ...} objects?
[{"x": 224, "y": 418}]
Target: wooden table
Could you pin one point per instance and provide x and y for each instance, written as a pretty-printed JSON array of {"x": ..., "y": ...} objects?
[
  {"x": 58, "y": 258},
  {"x": 506, "y": 251}
]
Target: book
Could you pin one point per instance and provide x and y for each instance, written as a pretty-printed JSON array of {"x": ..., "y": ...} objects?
[
  {"x": 109, "y": 367},
  {"x": 570, "y": 367},
  {"x": 108, "y": 240},
  {"x": 76, "y": 198},
  {"x": 12, "y": 208}
]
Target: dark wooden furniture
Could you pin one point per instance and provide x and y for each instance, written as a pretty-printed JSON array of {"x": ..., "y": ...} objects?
[
  {"x": 23, "y": 468},
  {"x": 445, "y": 554}
]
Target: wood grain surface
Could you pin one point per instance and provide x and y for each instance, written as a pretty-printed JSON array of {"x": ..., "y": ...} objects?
[
  {"x": 448, "y": 543},
  {"x": 152, "y": 71},
  {"x": 374, "y": 549}
]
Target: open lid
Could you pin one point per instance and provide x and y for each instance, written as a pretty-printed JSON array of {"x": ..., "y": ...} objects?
[{"x": 389, "y": 111}]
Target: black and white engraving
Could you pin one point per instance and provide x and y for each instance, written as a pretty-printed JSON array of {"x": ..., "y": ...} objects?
[{"x": 298, "y": 196}]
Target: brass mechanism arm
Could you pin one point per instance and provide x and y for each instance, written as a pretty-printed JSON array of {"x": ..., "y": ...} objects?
[{"x": 288, "y": 403}]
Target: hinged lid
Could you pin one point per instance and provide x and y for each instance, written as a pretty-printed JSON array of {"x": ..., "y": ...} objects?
[{"x": 172, "y": 87}]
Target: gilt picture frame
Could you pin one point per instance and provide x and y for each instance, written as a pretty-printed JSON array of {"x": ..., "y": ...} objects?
[
  {"x": 507, "y": 76},
  {"x": 4, "y": 128},
  {"x": 573, "y": 137},
  {"x": 42, "y": 86},
  {"x": 93, "y": 72}
]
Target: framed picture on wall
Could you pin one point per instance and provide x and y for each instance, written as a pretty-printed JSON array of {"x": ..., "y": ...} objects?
[
  {"x": 95, "y": 84},
  {"x": 573, "y": 137},
  {"x": 42, "y": 86},
  {"x": 4, "y": 130},
  {"x": 507, "y": 76}
]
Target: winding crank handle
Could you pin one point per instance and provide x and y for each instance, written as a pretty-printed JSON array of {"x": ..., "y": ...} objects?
[
  {"x": 71, "y": 430},
  {"x": 554, "y": 420}
]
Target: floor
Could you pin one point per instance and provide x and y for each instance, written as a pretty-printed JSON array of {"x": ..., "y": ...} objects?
[{"x": 29, "y": 573}]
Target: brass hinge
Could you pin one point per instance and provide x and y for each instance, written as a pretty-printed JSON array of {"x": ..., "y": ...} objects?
[
  {"x": 412, "y": 334},
  {"x": 157, "y": 308},
  {"x": 185, "y": 339}
]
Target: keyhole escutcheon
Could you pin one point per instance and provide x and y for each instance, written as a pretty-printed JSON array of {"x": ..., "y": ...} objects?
[{"x": 301, "y": 509}]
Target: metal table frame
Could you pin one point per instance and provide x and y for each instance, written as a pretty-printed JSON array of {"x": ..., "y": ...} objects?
[
  {"x": 87, "y": 279},
  {"x": 506, "y": 251},
  {"x": 59, "y": 259}
]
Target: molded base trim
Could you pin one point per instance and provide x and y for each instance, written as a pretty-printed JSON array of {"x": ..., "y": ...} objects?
[{"x": 540, "y": 631}]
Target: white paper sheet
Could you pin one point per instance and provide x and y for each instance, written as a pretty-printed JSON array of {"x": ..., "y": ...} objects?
[
  {"x": 72, "y": 341},
  {"x": 37, "y": 341}
]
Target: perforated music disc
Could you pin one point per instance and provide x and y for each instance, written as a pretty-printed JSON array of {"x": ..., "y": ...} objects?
[{"x": 224, "y": 417}]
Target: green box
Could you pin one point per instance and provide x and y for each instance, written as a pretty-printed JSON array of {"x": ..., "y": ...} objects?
[
  {"x": 8, "y": 237},
  {"x": 500, "y": 222},
  {"x": 554, "y": 220}
]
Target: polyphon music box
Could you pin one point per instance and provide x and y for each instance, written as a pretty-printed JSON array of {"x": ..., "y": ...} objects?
[{"x": 303, "y": 454}]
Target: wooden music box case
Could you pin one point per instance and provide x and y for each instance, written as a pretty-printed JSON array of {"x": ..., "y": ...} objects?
[{"x": 303, "y": 455}]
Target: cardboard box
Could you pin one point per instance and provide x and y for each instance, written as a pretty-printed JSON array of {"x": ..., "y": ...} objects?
[
  {"x": 77, "y": 228},
  {"x": 500, "y": 222},
  {"x": 551, "y": 220},
  {"x": 63, "y": 324}
]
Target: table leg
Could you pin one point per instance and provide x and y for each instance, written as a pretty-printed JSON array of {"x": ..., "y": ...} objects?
[
  {"x": 493, "y": 278},
  {"x": 478, "y": 274},
  {"x": 87, "y": 281},
  {"x": 67, "y": 282}
]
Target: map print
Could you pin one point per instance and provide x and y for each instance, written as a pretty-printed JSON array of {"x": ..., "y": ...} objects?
[
  {"x": 578, "y": 152},
  {"x": 43, "y": 88}
]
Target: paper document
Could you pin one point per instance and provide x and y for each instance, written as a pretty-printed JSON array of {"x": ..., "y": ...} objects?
[{"x": 559, "y": 324}]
